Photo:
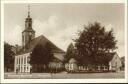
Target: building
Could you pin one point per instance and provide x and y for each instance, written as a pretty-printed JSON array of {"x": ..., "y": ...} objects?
[
  {"x": 115, "y": 63},
  {"x": 16, "y": 48},
  {"x": 110, "y": 62},
  {"x": 71, "y": 66},
  {"x": 29, "y": 41}
]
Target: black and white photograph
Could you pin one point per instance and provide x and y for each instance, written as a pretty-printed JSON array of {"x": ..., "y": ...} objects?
[{"x": 64, "y": 41}]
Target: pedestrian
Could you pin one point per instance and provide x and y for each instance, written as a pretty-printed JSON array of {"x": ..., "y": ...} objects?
[
  {"x": 30, "y": 70},
  {"x": 16, "y": 71},
  {"x": 51, "y": 72}
]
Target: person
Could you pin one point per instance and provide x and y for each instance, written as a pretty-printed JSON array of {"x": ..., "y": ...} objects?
[
  {"x": 30, "y": 70},
  {"x": 16, "y": 71},
  {"x": 51, "y": 71}
]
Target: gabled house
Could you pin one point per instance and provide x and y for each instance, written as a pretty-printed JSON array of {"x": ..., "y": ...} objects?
[
  {"x": 71, "y": 66},
  {"x": 115, "y": 63}
]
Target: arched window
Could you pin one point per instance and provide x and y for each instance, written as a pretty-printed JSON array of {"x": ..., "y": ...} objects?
[{"x": 29, "y": 24}]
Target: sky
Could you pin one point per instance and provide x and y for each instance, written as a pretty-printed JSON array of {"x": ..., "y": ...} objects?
[{"x": 60, "y": 22}]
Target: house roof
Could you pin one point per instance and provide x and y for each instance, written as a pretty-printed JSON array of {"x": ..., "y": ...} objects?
[
  {"x": 110, "y": 56},
  {"x": 42, "y": 40},
  {"x": 104, "y": 58},
  {"x": 72, "y": 60},
  {"x": 60, "y": 57}
]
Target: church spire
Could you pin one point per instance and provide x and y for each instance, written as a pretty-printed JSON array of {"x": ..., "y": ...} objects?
[
  {"x": 28, "y": 10},
  {"x": 28, "y": 21},
  {"x": 28, "y": 34}
]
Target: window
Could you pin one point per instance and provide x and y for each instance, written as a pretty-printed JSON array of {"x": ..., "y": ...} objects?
[
  {"x": 29, "y": 24},
  {"x": 19, "y": 60},
  {"x": 24, "y": 68}
]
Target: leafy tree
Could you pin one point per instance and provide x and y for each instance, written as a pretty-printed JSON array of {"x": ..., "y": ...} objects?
[
  {"x": 41, "y": 55},
  {"x": 70, "y": 53},
  {"x": 94, "y": 41},
  {"x": 8, "y": 57}
]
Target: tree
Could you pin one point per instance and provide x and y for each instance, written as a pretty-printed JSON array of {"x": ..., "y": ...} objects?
[
  {"x": 41, "y": 55},
  {"x": 94, "y": 41},
  {"x": 70, "y": 53},
  {"x": 8, "y": 57}
]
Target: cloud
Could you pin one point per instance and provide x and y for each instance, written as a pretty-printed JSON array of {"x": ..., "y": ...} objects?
[
  {"x": 121, "y": 42},
  {"x": 48, "y": 27},
  {"x": 108, "y": 27},
  {"x": 55, "y": 30},
  {"x": 59, "y": 32},
  {"x": 121, "y": 50},
  {"x": 119, "y": 36},
  {"x": 14, "y": 36},
  {"x": 65, "y": 37}
]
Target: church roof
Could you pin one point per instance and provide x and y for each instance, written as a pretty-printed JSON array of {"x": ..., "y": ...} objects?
[{"x": 42, "y": 40}]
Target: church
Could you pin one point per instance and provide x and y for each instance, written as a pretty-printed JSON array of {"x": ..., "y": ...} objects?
[{"x": 29, "y": 41}]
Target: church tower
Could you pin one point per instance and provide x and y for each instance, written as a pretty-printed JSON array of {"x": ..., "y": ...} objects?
[{"x": 28, "y": 34}]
